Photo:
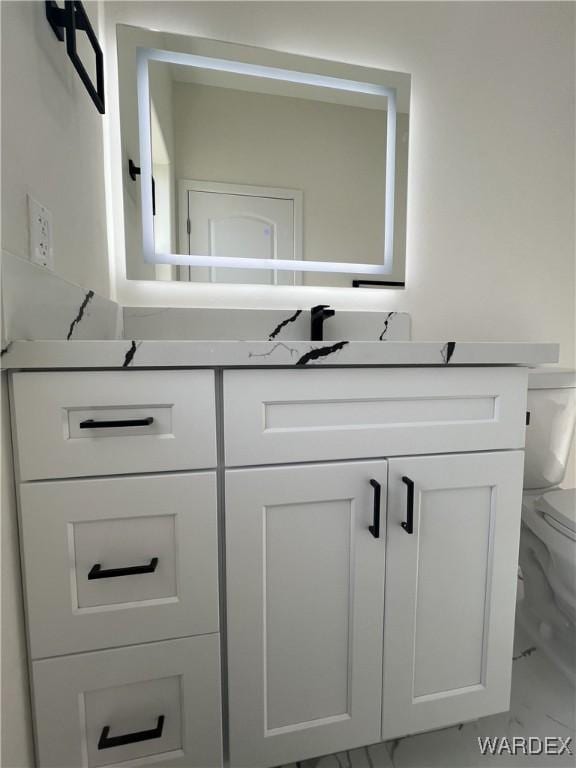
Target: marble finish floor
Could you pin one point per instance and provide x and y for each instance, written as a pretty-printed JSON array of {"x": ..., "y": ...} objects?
[{"x": 542, "y": 704}]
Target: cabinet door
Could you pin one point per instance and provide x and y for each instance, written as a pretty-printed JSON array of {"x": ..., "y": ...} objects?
[
  {"x": 450, "y": 589},
  {"x": 305, "y": 591}
]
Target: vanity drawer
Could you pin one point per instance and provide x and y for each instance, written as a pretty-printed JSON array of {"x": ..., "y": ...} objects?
[
  {"x": 307, "y": 415},
  {"x": 167, "y": 693},
  {"x": 115, "y": 561},
  {"x": 143, "y": 421}
]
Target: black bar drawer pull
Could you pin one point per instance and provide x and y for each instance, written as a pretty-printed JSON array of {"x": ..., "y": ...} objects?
[
  {"x": 107, "y": 742},
  {"x": 93, "y": 424},
  {"x": 375, "y": 527},
  {"x": 96, "y": 571},
  {"x": 408, "y": 524}
]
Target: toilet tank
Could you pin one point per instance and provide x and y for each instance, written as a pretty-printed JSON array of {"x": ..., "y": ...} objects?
[{"x": 552, "y": 408}]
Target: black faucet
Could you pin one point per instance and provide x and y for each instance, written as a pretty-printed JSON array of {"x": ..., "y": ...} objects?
[{"x": 317, "y": 316}]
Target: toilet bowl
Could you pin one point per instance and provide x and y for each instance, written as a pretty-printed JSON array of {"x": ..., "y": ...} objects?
[{"x": 547, "y": 604}]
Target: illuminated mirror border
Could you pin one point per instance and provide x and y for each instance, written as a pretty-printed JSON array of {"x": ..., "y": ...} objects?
[{"x": 146, "y": 55}]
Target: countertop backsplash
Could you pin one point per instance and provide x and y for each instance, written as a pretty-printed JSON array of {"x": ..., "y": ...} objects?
[
  {"x": 38, "y": 304},
  {"x": 167, "y": 323}
]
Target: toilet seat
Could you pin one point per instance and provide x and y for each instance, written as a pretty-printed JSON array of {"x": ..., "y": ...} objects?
[{"x": 558, "y": 508}]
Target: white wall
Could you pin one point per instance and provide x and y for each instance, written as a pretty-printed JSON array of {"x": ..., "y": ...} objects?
[
  {"x": 490, "y": 246},
  {"x": 52, "y": 147}
]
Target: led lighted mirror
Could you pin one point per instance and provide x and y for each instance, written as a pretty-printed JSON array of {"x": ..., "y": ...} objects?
[{"x": 244, "y": 165}]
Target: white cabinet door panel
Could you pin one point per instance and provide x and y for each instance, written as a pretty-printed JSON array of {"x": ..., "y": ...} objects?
[
  {"x": 305, "y": 590},
  {"x": 450, "y": 587}
]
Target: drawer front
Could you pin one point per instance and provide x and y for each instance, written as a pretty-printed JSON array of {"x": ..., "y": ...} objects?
[
  {"x": 72, "y": 424},
  {"x": 114, "y": 561},
  {"x": 292, "y": 415},
  {"x": 153, "y": 705}
]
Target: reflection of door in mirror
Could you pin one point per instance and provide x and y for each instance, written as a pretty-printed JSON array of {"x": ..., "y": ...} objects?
[{"x": 236, "y": 220}]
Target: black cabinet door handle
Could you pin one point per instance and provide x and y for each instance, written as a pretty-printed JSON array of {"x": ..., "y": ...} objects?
[
  {"x": 408, "y": 524},
  {"x": 375, "y": 527},
  {"x": 93, "y": 424},
  {"x": 107, "y": 742},
  {"x": 96, "y": 572}
]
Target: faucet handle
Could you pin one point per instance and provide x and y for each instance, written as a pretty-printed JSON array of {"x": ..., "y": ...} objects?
[{"x": 320, "y": 307}]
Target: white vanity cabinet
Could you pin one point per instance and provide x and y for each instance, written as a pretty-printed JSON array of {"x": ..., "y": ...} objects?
[
  {"x": 365, "y": 575},
  {"x": 338, "y": 639}
]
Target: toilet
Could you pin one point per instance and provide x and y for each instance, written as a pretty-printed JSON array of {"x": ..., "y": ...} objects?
[{"x": 547, "y": 595}]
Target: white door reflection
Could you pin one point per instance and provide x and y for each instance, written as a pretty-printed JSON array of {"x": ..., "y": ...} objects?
[{"x": 233, "y": 220}]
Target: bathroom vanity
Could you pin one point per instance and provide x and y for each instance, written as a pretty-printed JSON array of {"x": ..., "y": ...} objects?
[{"x": 259, "y": 552}]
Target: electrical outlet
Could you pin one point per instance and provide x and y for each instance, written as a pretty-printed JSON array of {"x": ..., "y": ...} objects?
[{"x": 40, "y": 228}]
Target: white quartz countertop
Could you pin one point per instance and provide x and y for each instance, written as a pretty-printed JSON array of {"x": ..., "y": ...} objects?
[{"x": 127, "y": 353}]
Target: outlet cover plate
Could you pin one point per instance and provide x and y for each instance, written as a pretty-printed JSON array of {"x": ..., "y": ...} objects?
[{"x": 40, "y": 228}]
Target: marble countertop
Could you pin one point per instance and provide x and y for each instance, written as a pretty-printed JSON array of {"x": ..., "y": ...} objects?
[{"x": 126, "y": 353}]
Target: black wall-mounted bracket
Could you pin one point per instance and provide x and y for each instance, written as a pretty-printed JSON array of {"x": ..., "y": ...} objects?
[
  {"x": 133, "y": 171},
  {"x": 67, "y": 21}
]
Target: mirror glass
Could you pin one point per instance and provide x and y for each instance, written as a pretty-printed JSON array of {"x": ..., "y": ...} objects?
[{"x": 236, "y": 156}]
